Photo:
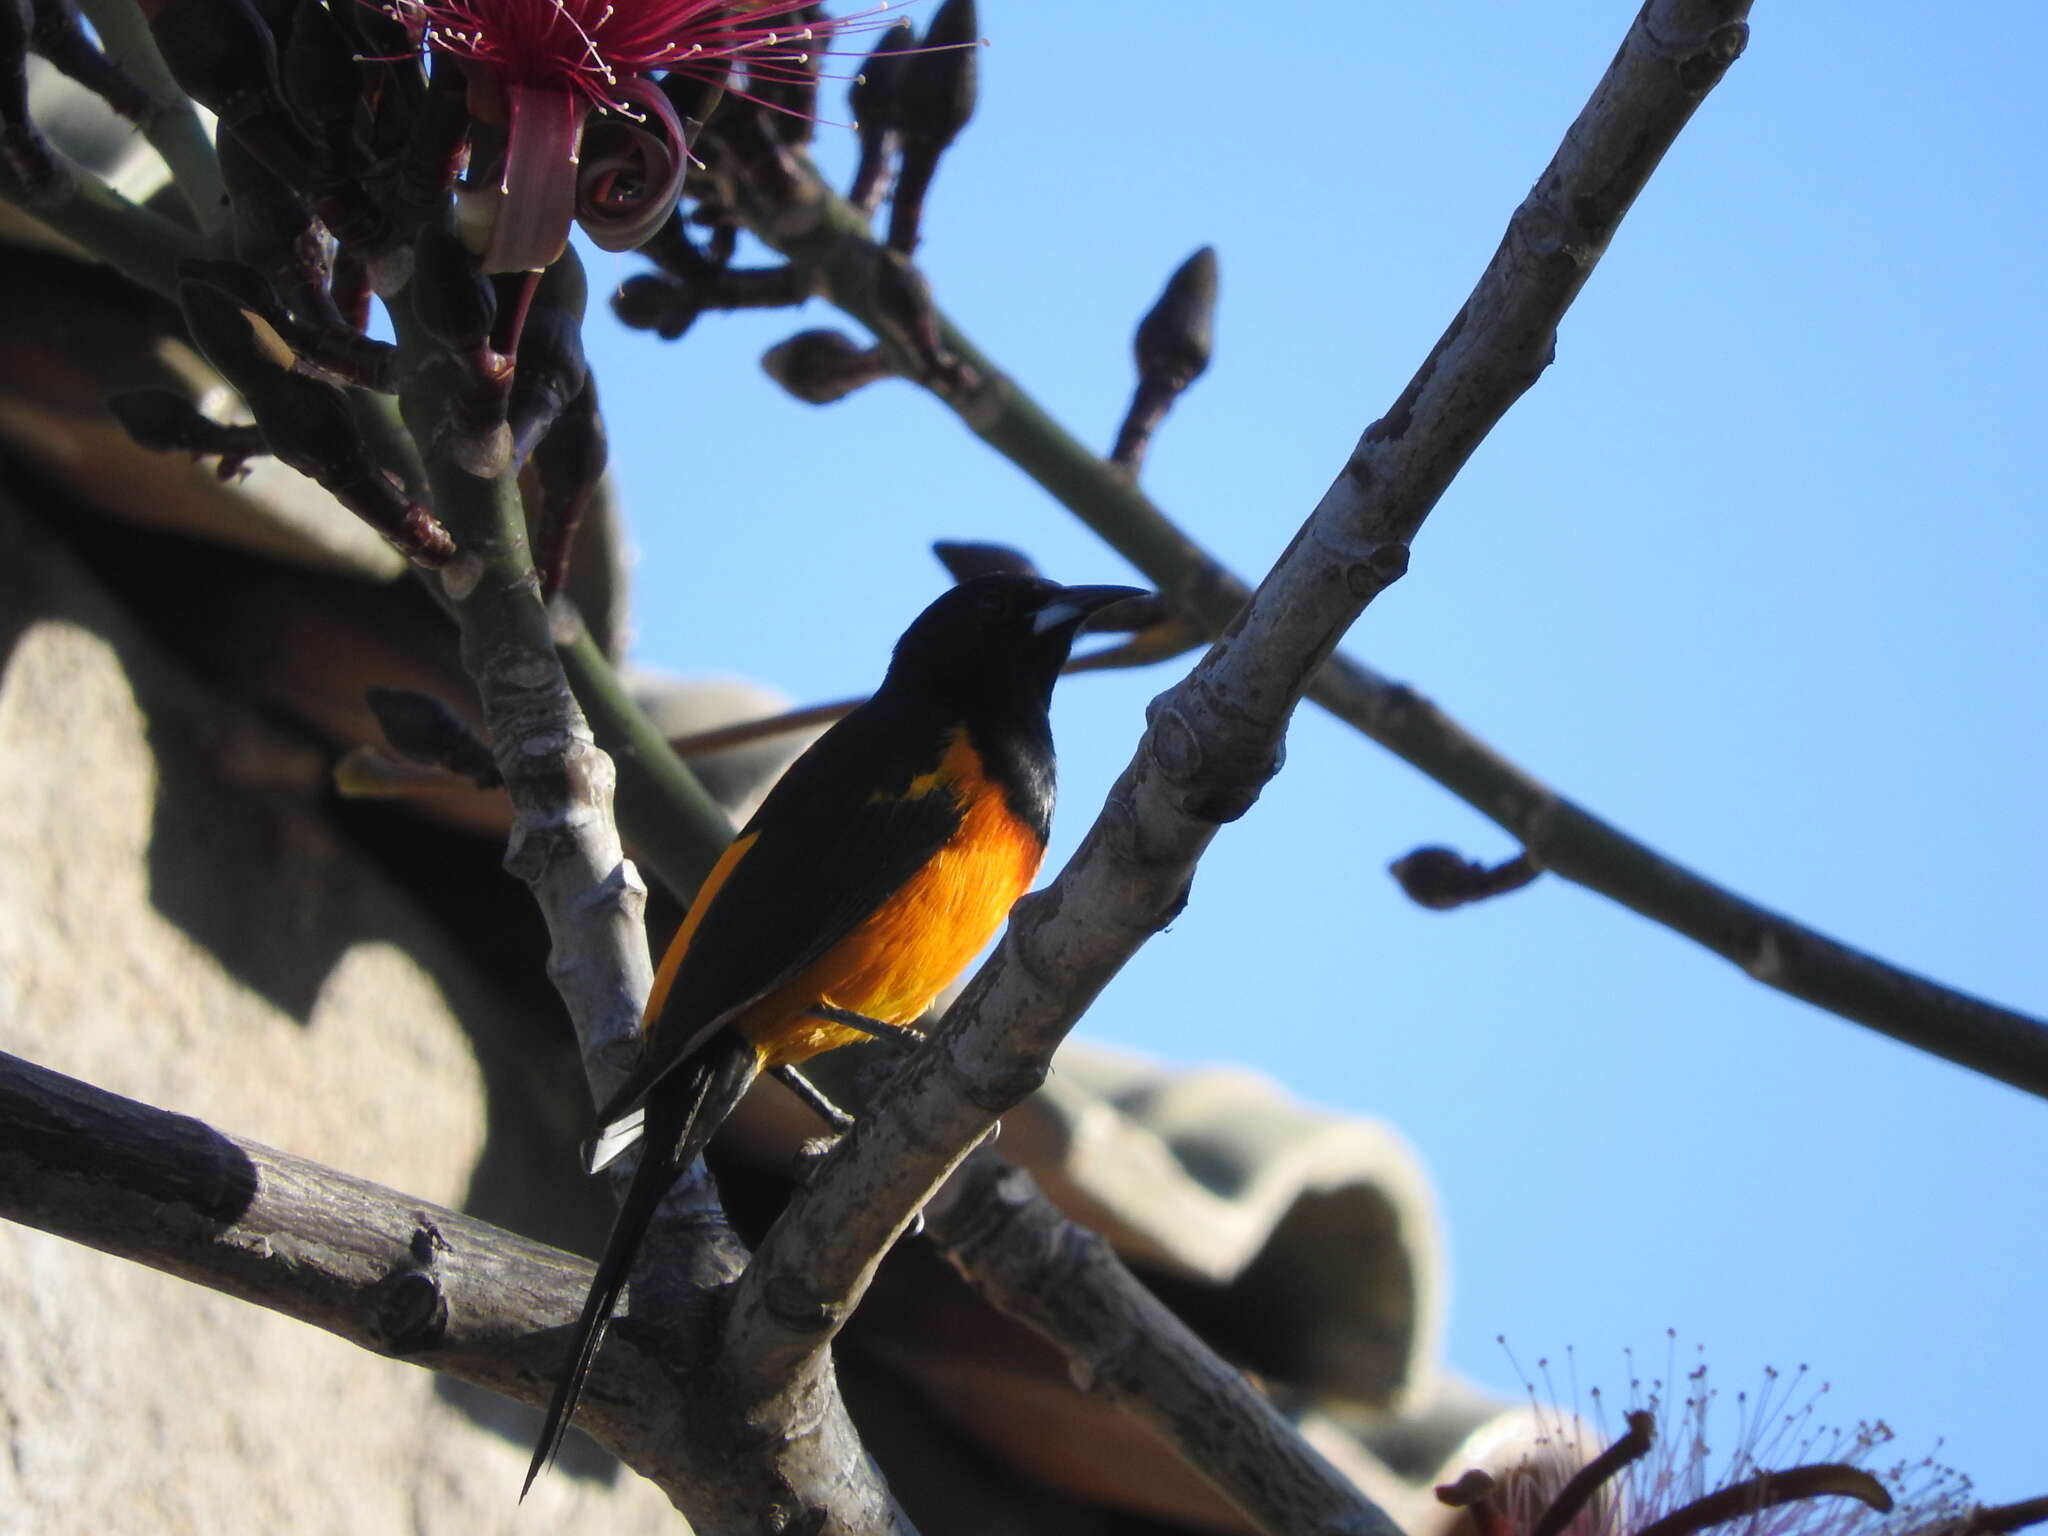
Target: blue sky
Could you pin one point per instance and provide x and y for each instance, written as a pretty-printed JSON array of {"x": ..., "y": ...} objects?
[{"x": 1755, "y": 571}]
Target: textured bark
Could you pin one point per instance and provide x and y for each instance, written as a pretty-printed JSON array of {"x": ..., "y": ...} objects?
[
  {"x": 399, "y": 1276},
  {"x": 1571, "y": 841},
  {"x": 734, "y": 1455},
  {"x": 1214, "y": 740},
  {"x": 1025, "y": 1258}
]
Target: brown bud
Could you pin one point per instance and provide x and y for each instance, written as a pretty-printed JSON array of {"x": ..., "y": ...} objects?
[
  {"x": 164, "y": 421},
  {"x": 873, "y": 100},
  {"x": 648, "y": 301},
  {"x": 454, "y": 302},
  {"x": 821, "y": 366},
  {"x": 422, "y": 729},
  {"x": 307, "y": 423},
  {"x": 223, "y": 56},
  {"x": 1441, "y": 879},
  {"x": 568, "y": 466}
]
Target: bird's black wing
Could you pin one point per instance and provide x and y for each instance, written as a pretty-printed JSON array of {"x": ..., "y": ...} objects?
[{"x": 838, "y": 835}]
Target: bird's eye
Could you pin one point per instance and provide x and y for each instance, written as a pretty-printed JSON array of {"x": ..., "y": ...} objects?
[{"x": 992, "y": 606}]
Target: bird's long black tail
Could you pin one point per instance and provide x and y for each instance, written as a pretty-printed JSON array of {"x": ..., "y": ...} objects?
[{"x": 682, "y": 1114}]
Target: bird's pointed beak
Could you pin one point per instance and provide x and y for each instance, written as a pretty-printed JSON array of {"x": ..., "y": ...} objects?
[{"x": 1074, "y": 606}]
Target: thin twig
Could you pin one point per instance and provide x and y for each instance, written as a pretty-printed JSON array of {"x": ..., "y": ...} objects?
[
  {"x": 1171, "y": 637},
  {"x": 1028, "y": 1260},
  {"x": 1569, "y": 840},
  {"x": 174, "y": 129},
  {"x": 746, "y": 732}
]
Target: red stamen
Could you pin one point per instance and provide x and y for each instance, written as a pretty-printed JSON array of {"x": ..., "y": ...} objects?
[{"x": 591, "y": 46}]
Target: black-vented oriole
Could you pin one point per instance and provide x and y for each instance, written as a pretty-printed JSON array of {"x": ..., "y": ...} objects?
[{"x": 876, "y": 868}]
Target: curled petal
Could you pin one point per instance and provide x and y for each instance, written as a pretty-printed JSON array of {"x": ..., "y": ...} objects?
[
  {"x": 632, "y": 173},
  {"x": 536, "y": 197}
]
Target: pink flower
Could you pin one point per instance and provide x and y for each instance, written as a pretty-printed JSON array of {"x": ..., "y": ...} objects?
[
  {"x": 590, "y": 46},
  {"x": 1783, "y": 1474},
  {"x": 542, "y": 66}
]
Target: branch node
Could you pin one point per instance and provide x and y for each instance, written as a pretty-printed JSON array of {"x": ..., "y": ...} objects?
[
  {"x": 1007, "y": 1088},
  {"x": 459, "y": 577},
  {"x": 1703, "y": 70},
  {"x": 794, "y": 1305},
  {"x": 1369, "y": 577},
  {"x": 408, "y": 1311}
]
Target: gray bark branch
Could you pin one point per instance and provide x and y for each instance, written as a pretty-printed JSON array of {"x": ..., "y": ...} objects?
[
  {"x": 417, "y": 1282},
  {"x": 733, "y": 1455},
  {"x": 1776, "y": 950},
  {"x": 1055, "y": 1276},
  {"x": 391, "y": 1274},
  {"x": 1212, "y": 742},
  {"x": 1570, "y": 840}
]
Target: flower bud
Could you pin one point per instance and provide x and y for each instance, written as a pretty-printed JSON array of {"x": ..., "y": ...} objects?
[
  {"x": 454, "y": 301},
  {"x": 422, "y": 729},
  {"x": 164, "y": 421},
  {"x": 933, "y": 101},
  {"x": 568, "y": 465},
  {"x": 224, "y": 57},
  {"x": 331, "y": 350},
  {"x": 819, "y": 367},
  {"x": 1175, "y": 337},
  {"x": 873, "y": 99},
  {"x": 936, "y": 94},
  {"x": 1441, "y": 878},
  {"x": 550, "y": 374},
  {"x": 307, "y": 423},
  {"x": 651, "y": 301},
  {"x": 322, "y": 82}
]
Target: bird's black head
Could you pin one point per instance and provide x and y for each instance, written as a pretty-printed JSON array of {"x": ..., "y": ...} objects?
[{"x": 996, "y": 641}]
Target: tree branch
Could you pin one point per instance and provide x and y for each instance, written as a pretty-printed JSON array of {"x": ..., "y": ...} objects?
[
  {"x": 1213, "y": 740},
  {"x": 674, "y": 825},
  {"x": 1778, "y": 951},
  {"x": 1028, "y": 1260},
  {"x": 564, "y": 842},
  {"x": 174, "y": 129},
  {"x": 823, "y": 231},
  {"x": 389, "y": 1273},
  {"x": 420, "y": 1283},
  {"x": 727, "y": 1456},
  {"x": 136, "y": 241}
]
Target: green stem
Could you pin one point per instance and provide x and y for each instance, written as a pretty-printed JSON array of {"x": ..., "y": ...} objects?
[
  {"x": 837, "y": 245},
  {"x": 378, "y": 418},
  {"x": 668, "y": 817},
  {"x": 674, "y": 826},
  {"x": 828, "y": 235},
  {"x": 175, "y": 132},
  {"x": 144, "y": 245}
]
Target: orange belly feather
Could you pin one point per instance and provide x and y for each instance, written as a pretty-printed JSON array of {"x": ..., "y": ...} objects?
[{"x": 893, "y": 964}]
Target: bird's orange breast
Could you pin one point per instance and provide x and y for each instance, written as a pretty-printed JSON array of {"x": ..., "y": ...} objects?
[{"x": 895, "y": 962}]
